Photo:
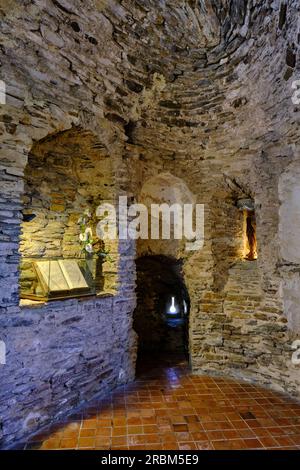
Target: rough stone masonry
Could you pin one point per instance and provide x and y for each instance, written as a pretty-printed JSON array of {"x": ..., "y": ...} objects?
[{"x": 199, "y": 90}]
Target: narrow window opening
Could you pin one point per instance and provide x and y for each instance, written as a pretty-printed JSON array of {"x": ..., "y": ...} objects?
[
  {"x": 250, "y": 235},
  {"x": 246, "y": 206}
]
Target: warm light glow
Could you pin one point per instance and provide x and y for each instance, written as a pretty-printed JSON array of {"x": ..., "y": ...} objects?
[
  {"x": 245, "y": 239},
  {"x": 248, "y": 253}
]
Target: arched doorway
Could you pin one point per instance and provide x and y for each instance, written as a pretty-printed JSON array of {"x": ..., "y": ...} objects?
[{"x": 161, "y": 315}]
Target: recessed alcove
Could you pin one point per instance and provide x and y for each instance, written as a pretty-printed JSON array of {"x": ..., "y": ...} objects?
[
  {"x": 249, "y": 250},
  {"x": 67, "y": 176},
  {"x": 162, "y": 311},
  {"x": 250, "y": 240}
]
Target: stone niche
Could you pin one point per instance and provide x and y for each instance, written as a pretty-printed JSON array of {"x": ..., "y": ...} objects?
[{"x": 67, "y": 174}]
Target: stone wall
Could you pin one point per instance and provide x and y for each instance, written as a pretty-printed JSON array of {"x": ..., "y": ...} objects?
[
  {"x": 226, "y": 125},
  {"x": 199, "y": 90},
  {"x": 289, "y": 218},
  {"x": 60, "y": 355},
  {"x": 248, "y": 335}
]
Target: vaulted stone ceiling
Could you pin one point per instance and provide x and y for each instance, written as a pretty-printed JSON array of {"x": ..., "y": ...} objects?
[
  {"x": 184, "y": 31},
  {"x": 183, "y": 79},
  {"x": 202, "y": 51},
  {"x": 223, "y": 64},
  {"x": 177, "y": 81}
]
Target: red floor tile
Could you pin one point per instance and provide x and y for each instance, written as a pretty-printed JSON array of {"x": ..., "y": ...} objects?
[{"x": 168, "y": 408}]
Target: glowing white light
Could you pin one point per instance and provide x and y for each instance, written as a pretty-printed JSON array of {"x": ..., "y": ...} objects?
[
  {"x": 173, "y": 308},
  {"x": 184, "y": 306}
]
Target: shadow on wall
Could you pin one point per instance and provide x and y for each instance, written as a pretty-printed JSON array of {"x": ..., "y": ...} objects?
[{"x": 161, "y": 315}]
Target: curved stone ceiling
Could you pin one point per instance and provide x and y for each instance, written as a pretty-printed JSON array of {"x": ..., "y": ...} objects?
[{"x": 158, "y": 65}]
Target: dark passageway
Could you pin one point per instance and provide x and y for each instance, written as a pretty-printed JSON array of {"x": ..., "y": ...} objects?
[{"x": 161, "y": 315}]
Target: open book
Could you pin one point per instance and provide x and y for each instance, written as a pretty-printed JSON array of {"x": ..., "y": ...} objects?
[{"x": 60, "y": 277}]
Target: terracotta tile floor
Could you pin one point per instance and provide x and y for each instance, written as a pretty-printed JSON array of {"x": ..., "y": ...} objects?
[{"x": 168, "y": 408}]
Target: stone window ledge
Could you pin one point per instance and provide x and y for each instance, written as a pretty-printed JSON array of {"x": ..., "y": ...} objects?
[{"x": 28, "y": 303}]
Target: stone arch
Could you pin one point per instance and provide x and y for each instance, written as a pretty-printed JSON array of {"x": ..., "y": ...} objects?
[
  {"x": 39, "y": 122},
  {"x": 164, "y": 188},
  {"x": 167, "y": 188},
  {"x": 67, "y": 173},
  {"x": 166, "y": 256}
]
